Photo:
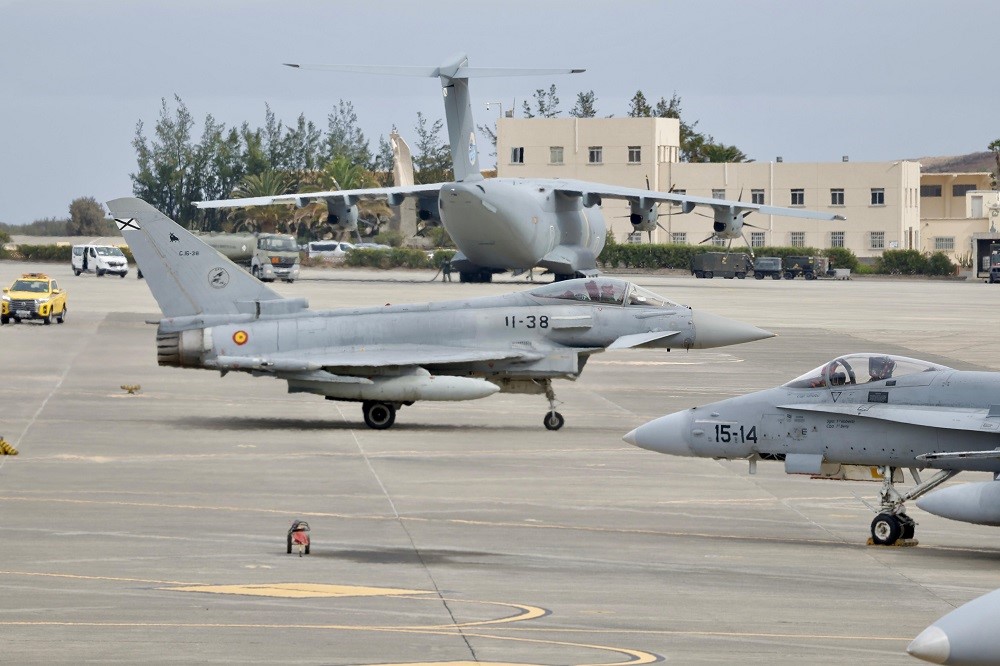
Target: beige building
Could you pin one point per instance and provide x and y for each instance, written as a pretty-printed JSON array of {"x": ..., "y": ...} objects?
[{"x": 888, "y": 205}]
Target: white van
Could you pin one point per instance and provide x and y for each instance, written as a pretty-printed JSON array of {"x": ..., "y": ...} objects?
[{"x": 99, "y": 259}]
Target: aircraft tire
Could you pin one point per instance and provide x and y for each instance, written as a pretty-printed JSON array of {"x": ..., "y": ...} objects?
[
  {"x": 554, "y": 420},
  {"x": 378, "y": 415},
  {"x": 886, "y": 529}
]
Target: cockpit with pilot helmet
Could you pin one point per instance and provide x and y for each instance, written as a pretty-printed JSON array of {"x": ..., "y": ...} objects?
[
  {"x": 856, "y": 369},
  {"x": 610, "y": 291}
]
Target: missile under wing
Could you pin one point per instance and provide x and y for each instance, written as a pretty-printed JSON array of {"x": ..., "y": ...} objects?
[
  {"x": 860, "y": 416},
  {"x": 219, "y": 317}
]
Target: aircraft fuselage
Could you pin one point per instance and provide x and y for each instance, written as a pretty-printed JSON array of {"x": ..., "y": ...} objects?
[{"x": 511, "y": 223}]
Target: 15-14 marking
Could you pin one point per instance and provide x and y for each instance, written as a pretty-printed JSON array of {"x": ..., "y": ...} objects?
[{"x": 727, "y": 433}]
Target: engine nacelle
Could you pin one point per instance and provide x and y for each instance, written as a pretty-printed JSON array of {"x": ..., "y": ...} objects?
[
  {"x": 977, "y": 503},
  {"x": 728, "y": 222},
  {"x": 644, "y": 214},
  {"x": 342, "y": 213}
]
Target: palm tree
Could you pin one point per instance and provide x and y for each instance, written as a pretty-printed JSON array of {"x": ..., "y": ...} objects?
[{"x": 266, "y": 219}]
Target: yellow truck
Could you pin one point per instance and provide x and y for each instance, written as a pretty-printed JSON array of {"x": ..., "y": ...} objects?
[{"x": 33, "y": 296}]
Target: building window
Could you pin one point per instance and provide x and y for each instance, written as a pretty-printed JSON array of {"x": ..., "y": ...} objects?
[
  {"x": 555, "y": 154},
  {"x": 679, "y": 238},
  {"x": 757, "y": 197},
  {"x": 836, "y": 239},
  {"x": 634, "y": 154},
  {"x": 878, "y": 197},
  {"x": 944, "y": 244},
  {"x": 677, "y": 190},
  {"x": 595, "y": 154},
  {"x": 798, "y": 197},
  {"x": 756, "y": 239},
  {"x": 930, "y": 190},
  {"x": 960, "y": 190},
  {"x": 797, "y": 239},
  {"x": 837, "y": 198},
  {"x": 718, "y": 194},
  {"x": 876, "y": 240},
  {"x": 634, "y": 238},
  {"x": 720, "y": 242},
  {"x": 517, "y": 155}
]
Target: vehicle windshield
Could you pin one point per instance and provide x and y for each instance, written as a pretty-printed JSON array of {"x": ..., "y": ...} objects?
[
  {"x": 109, "y": 252},
  {"x": 278, "y": 244},
  {"x": 855, "y": 369},
  {"x": 322, "y": 247},
  {"x": 36, "y": 286},
  {"x": 602, "y": 290}
]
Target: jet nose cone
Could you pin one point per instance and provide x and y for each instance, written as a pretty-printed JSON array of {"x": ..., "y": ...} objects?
[
  {"x": 667, "y": 434},
  {"x": 931, "y": 645},
  {"x": 714, "y": 331}
]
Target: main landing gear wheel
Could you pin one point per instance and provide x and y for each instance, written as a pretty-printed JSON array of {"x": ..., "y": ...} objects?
[
  {"x": 378, "y": 415},
  {"x": 554, "y": 421},
  {"x": 886, "y": 529}
]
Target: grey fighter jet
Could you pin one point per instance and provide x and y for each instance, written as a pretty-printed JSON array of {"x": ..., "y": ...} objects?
[
  {"x": 967, "y": 636},
  {"x": 219, "y": 317},
  {"x": 859, "y": 414},
  {"x": 501, "y": 224}
]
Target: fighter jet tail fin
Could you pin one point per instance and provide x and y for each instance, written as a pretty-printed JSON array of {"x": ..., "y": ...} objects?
[{"x": 187, "y": 276}]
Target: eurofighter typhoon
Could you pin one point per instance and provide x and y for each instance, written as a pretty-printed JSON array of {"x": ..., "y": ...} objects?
[{"x": 217, "y": 316}]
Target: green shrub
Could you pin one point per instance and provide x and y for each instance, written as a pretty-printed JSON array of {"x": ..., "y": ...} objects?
[
  {"x": 939, "y": 264},
  {"x": 901, "y": 262},
  {"x": 841, "y": 257},
  {"x": 390, "y": 238},
  {"x": 53, "y": 253}
]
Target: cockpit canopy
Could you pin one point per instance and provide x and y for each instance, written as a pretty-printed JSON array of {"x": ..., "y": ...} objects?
[
  {"x": 603, "y": 290},
  {"x": 855, "y": 369}
]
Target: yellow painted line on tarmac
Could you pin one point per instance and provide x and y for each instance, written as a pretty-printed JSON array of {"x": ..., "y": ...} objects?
[{"x": 298, "y": 590}]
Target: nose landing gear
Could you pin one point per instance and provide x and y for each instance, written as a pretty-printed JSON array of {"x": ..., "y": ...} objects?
[
  {"x": 892, "y": 523},
  {"x": 553, "y": 419}
]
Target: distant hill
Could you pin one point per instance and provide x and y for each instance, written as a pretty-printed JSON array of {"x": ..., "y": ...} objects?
[{"x": 971, "y": 163}]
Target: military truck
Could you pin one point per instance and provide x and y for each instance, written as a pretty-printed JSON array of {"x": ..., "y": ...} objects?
[
  {"x": 767, "y": 266},
  {"x": 721, "y": 264},
  {"x": 808, "y": 267},
  {"x": 268, "y": 257}
]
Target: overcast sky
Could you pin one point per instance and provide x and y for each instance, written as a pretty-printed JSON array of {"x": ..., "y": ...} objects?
[{"x": 806, "y": 80}]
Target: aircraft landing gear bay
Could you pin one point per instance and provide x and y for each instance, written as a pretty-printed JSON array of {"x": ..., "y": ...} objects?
[{"x": 892, "y": 523}]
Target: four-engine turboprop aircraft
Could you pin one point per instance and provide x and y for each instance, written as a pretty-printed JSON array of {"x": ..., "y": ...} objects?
[
  {"x": 858, "y": 412},
  {"x": 515, "y": 224},
  {"x": 219, "y": 317}
]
